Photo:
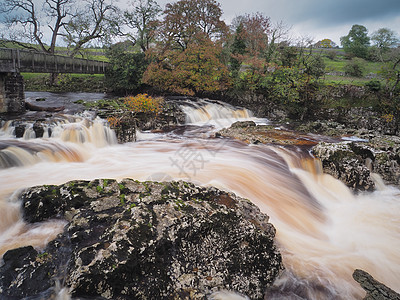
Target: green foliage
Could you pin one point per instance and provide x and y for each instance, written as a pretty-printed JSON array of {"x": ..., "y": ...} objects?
[
  {"x": 314, "y": 66},
  {"x": 292, "y": 89},
  {"x": 332, "y": 55},
  {"x": 238, "y": 48},
  {"x": 354, "y": 68},
  {"x": 374, "y": 85},
  {"x": 357, "y": 41},
  {"x": 391, "y": 72},
  {"x": 384, "y": 38},
  {"x": 126, "y": 71},
  {"x": 288, "y": 56},
  {"x": 122, "y": 199},
  {"x": 64, "y": 82}
]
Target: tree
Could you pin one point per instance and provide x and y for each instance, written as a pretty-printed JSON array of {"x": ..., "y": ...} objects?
[
  {"x": 357, "y": 41},
  {"x": 127, "y": 68},
  {"x": 256, "y": 29},
  {"x": 144, "y": 20},
  {"x": 354, "y": 68},
  {"x": 325, "y": 43},
  {"x": 238, "y": 49},
  {"x": 260, "y": 35},
  {"x": 391, "y": 71},
  {"x": 195, "y": 71},
  {"x": 78, "y": 22},
  {"x": 95, "y": 21},
  {"x": 188, "y": 57},
  {"x": 26, "y": 21},
  {"x": 186, "y": 21},
  {"x": 384, "y": 38}
]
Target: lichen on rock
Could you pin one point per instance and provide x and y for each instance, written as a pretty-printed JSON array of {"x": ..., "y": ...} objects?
[
  {"x": 148, "y": 240},
  {"x": 354, "y": 162}
]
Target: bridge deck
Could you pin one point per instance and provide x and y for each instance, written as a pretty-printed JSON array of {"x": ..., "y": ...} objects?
[{"x": 17, "y": 60}]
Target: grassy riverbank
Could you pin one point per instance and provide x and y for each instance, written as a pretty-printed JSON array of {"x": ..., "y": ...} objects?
[{"x": 65, "y": 83}]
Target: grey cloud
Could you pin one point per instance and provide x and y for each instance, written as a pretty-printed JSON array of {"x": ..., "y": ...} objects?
[{"x": 340, "y": 11}]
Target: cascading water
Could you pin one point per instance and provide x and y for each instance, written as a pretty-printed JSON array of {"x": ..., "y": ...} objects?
[
  {"x": 323, "y": 231},
  {"x": 215, "y": 113},
  {"x": 68, "y": 141}
]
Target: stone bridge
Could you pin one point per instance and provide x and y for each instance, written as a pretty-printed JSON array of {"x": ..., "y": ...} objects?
[{"x": 15, "y": 61}]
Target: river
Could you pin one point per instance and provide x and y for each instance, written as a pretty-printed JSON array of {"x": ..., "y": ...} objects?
[{"x": 324, "y": 231}]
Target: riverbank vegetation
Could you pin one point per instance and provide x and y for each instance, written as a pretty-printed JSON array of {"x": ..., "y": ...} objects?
[
  {"x": 199, "y": 55},
  {"x": 188, "y": 49}
]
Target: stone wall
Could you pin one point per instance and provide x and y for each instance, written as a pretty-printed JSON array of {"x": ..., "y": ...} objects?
[{"x": 12, "y": 98}]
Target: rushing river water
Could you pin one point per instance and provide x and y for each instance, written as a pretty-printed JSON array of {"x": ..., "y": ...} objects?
[{"x": 324, "y": 231}]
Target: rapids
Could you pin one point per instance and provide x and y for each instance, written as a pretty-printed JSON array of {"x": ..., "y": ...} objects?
[{"x": 324, "y": 231}]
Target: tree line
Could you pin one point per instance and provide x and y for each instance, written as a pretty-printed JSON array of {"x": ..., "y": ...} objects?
[{"x": 188, "y": 49}]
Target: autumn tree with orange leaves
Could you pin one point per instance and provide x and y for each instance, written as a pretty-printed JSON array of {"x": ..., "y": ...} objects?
[
  {"x": 187, "y": 59},
  {"x": 195, "y": 71}
]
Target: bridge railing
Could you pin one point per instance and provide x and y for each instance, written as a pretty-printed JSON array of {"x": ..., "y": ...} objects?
[{"x": 18, "y": 60}]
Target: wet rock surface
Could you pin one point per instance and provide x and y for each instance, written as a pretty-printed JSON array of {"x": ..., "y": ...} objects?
[
  {"x": 350, "y": 155},
  {"x": 355, "y": 162},
  {"x": 133, "y": 240},
  {"x": 346, "y": 161},
  {"x": 251, "y": 133},
  {"x": 170, "y": 116},
  {"x": 375, "y": 290}
]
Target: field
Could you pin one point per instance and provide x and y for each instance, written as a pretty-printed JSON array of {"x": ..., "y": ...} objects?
[{"x": 335, "y": 68}]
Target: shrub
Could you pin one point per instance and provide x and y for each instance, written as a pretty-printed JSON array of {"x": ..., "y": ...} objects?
[
  {"x": 374, "y": 85},
  {"x": 354, "y": 68},
  {"x": 315, "y": 67},
  {"x": 332, "y": 55},
  {"x": 131, "y": 106},
  {"x": 144, "y": 103}
]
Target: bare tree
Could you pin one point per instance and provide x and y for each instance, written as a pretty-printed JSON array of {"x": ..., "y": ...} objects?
[
  {"x": 43, "y": 22},
  {"x": 26, "y": 21},
  {"x": 96, "y": 21},
  {"x": 260, "y": 35},
  {"x": 143, "y": 19}
]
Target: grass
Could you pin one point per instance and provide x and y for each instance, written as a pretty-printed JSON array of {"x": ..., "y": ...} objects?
[
  {"x": 338, "y": 65},
  {"x": 333, "y": 79},
  {"x": 65, "y": 82},
  {"x": 87, "y": 53}
]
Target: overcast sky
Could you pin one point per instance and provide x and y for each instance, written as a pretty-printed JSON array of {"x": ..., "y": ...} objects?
[{"x": 318, "y": 19}]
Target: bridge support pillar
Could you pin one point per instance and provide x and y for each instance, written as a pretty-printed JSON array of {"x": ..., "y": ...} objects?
[{"x": 12, "y": 97}]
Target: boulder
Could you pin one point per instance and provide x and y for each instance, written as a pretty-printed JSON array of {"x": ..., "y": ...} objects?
[
  {"x": 346, "y": 161},
  {"x": 375, "y": 290},
  {"x": 354, "y": 162},
  {"x": 249, "y": 132},
  {"x": 144, "y": 240}
]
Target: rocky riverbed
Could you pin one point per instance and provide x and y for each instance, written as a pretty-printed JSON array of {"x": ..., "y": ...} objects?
[
  {"x": 352, "y": 155},
  {"x": 149, "y": 240},
  {"x": 143, "y": 240}
]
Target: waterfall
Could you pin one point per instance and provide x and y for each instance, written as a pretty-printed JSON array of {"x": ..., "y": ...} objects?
[
  {"x": 324, "y": 231},
  {"x": 69, "y": 141},
  {"x": 215, "y": 113}
]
